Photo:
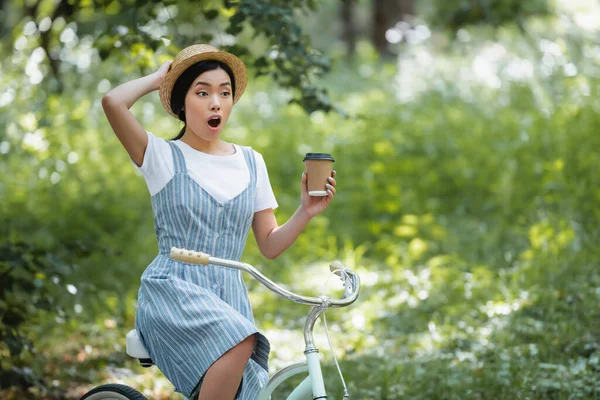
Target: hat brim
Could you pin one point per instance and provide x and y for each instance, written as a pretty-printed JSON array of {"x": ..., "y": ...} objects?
[{"x": 184, "y": 61}]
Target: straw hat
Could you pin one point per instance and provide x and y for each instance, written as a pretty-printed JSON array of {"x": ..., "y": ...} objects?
[{"x": 200, "y": 52}]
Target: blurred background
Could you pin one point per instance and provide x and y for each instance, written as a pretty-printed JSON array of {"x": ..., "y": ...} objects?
[{"x": 466, "y": 141}]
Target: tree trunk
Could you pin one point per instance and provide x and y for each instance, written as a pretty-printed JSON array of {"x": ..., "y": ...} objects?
[
  {"x": 380, "y": 25},
  {"x": 348, "y": 30},
  {"x": 386, "y": 14},
  {"x": 406, "y": 8}
]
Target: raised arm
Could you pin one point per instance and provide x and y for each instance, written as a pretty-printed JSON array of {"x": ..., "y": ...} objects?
[{"x": 116, "y": 104}]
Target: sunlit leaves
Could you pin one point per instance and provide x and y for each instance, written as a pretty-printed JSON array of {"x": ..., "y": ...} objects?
[{"x": 133, "y": 32}]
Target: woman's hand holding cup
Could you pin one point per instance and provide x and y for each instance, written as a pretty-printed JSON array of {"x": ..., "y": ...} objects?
[{"x": 318, "y": 183}]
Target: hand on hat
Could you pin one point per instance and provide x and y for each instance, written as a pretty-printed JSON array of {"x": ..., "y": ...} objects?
[
  {"x": 162, "y": 72},
  {"x": 315, "y": 205}
]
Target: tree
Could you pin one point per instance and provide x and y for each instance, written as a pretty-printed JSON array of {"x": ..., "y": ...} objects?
[
  {"x": 386, "y": 13},
  {"x": 146, "y": 27},
  {"x": 455, "y": 14},
  {"x": 348, "y": 27}
]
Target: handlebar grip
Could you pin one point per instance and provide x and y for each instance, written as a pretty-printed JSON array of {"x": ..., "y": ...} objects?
[
  {"x": 189, "y": 256},
  {"x": 335, "y": 265}
]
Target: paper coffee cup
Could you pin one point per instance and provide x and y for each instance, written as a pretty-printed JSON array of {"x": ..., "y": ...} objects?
[{"x": 318, "y": 167}]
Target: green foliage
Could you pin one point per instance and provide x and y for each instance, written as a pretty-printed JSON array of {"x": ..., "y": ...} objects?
[
  {"x": 456, "y": 14},
  {"x": 291, "y": 62},
  {"x": 33, "y": 285},
  {"x": 263, "y": 33},
  {"x": 469, "y": 207}
]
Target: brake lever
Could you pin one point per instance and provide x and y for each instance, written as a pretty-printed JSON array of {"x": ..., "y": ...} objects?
[{"x": 337, "y": 268}]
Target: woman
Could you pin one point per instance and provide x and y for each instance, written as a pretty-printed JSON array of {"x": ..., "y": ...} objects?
[{"x": 196, "y": 322}]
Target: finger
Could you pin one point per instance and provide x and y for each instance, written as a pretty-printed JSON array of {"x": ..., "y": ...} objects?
[
  {"x": 327, "y": 199},
  {"x": 165, "y": 67},
  {"x": 332, "y": 181},
  {"x": 333, "y": 173},
  {"x": 330, "y": 189},
  {"x": 304, "y": 183}
]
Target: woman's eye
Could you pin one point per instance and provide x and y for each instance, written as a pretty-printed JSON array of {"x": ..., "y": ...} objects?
[
  {"x": 225, "y": 93},
  {"x": 202, "y": 93}
]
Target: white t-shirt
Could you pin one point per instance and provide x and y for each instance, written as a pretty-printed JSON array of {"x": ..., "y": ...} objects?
[{"x": 223, "y": 177}]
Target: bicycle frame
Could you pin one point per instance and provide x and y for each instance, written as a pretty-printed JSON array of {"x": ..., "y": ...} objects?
[{"x": 313, "y": 383}]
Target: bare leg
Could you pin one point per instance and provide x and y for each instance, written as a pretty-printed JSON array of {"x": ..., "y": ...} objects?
[{"x": 222, "y": 379}]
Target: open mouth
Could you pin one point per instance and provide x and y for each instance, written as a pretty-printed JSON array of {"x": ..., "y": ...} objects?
[{"x": 214, "y": 122}]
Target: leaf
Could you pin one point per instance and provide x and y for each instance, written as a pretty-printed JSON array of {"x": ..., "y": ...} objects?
[
  {"x": 211, "y": 14},
  {"x": 14, "y": 342},
  {"x": 261, "y": 62}
]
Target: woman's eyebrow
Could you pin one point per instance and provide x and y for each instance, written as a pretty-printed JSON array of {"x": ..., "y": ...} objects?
[{"x": 208, "y": 84}]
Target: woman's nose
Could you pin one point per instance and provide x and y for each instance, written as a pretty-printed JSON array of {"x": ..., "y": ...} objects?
[{"x": 214, "y": 104}]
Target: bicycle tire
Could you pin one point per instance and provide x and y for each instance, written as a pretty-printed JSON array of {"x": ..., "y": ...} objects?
[
  {"x": 280, "y": 377},
  {"x": 113, "y": 391}
]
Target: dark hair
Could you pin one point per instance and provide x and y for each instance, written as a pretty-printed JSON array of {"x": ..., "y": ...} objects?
[{"x": 185, "y": 80}]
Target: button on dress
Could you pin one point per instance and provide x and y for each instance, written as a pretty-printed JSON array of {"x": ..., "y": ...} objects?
[{"x": 189, "y": 315}]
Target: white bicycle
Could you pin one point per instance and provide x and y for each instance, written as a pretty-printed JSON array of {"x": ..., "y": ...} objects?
[{"x": 312, "y": 387}]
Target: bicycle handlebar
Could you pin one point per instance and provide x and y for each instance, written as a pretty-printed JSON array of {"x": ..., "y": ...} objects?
[{"x": 195, "y": 257}]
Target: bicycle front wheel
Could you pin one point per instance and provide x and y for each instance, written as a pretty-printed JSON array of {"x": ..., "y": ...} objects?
[
  {"x": 113, "y": 391},
  {"x": 302, "y": 391}
]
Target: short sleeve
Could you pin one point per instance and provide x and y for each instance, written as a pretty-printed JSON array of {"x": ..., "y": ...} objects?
[
  {"x": 157, "y": 165},
  {"x": 265, "y": 198}
]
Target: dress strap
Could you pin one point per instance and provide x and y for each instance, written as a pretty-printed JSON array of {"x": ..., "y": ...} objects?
[
  {"x": 178, "y": 160},
  {"x": 250, "y": 161}
]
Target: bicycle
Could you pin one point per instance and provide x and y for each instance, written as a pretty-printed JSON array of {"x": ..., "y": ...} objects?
[{"x": 313, "y": 385}]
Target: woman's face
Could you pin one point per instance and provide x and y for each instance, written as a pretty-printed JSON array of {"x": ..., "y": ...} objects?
[{"x": 208, "y": 104}]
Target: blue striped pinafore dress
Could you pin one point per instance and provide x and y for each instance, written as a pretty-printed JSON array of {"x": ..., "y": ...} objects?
[{"x": 188, "y": 315}]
